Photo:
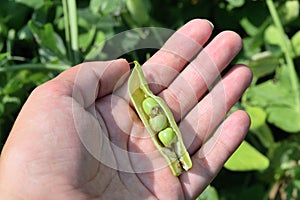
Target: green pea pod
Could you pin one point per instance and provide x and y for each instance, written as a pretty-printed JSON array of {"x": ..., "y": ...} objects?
[{"x": 176, "y": 154}]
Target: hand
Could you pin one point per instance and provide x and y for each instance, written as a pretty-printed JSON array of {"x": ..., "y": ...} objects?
[{"x": 58, "y": 147}]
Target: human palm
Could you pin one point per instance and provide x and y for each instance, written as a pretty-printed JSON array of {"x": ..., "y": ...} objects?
[{"x": 78, "y": 136}]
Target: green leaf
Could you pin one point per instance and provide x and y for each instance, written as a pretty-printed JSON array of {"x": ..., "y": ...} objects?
[
  {"x": 236, "y": 3},
  {"x": 25, "y": 33},
  {"x": 85, "y": 39},
  {"x": 258, "y": 117},
  {"x": 259, "y": 127},
  {"x": 278, "y": 100},
  {"x": 47, "y": 38},
  {"x": 286, "y": 118},
  {"x": 131, "y": 39},
  {"x": 297, "y": 184},
  {"x": 210, "y": 193},
  {"x": 95, "y": 6},
  {"x": 296, "y": 43},
  {"x": 272, "y": 36},
  {"x": 290, "y": 11},
  {"x": 285, "y": 156},
  {"x": 270, "y": 93},
  {"x": 96, "y": 49},
  {"x": 3, "y": 55},
  {"x": 252, "y": 46},
  {"x": 247, "y": 158},
  {"x": 138, "y": 11},
  {"x": 35, "y": 4},
  {"x": 248, "y": 26},
  {"x": 263, "y": 63},
  {"x": 11, "y": 104},
  {"x": 8, "y": 99},
  {"x": 292, "y": 189},
  {"x": 113, "y": 7}
]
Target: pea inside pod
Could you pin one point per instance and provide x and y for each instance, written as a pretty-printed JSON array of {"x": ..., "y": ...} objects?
[
  {"x": 159, "y": 122},
  {"x": 167, "y": 136},
  {"x": 149, "y": 104}
]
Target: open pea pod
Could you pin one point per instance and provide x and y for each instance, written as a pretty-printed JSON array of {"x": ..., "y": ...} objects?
[{"x": 167, "y": 137}]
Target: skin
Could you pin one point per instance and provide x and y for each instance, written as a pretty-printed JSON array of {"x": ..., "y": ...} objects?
[{"x": 44, "y": 157}]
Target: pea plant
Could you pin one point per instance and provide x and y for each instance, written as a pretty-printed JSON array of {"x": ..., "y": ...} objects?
[
  {"x": 45, "y": 37},
  {"x": 271, "y": 50}
]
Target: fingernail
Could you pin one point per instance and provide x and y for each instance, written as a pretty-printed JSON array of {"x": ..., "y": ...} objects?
[{"x": 210, "y": 23}]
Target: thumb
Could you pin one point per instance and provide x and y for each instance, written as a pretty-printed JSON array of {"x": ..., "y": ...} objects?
[{"x": 91, "y": 80}]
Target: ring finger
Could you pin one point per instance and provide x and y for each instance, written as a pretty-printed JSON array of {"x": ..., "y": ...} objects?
[{"x": 202, "y": 120}]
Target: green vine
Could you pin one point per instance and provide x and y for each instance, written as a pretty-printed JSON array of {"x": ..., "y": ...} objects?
[
  {"x": 58, "y": 67},
  {"x": 71, "y": 30},
  {"x": 287, "y": 53}
]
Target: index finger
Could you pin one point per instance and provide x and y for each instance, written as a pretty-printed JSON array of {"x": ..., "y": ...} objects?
[{"x": 179, "y": 49}]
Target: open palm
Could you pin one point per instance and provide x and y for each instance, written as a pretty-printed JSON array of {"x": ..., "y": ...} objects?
[{"x": 78, "y": 136}]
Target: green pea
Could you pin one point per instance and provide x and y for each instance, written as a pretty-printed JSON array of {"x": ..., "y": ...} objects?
[
  {"x": 158, "y": 122},
  {"x": 167, "y": 136},
  {"x": 149, "y": 104}
]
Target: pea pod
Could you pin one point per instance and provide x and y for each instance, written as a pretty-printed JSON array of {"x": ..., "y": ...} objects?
[{"x": 152, "y": 109}]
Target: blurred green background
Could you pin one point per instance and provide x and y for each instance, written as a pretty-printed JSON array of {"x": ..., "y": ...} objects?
[{"x": 41, "y": 38}]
